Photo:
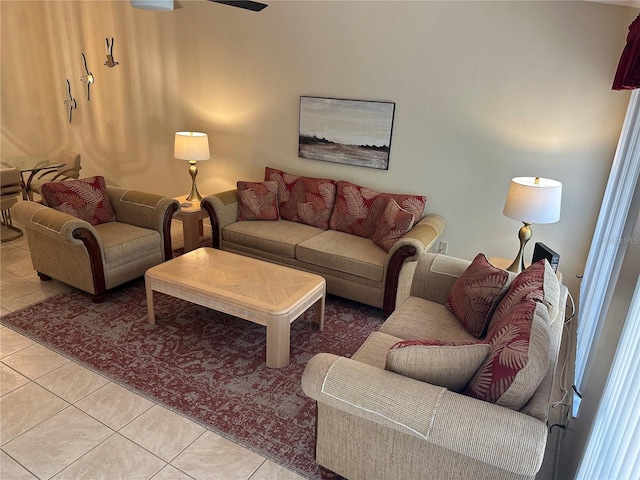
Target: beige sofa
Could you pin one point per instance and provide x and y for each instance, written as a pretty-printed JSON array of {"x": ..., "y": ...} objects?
[
  {"x": 376, "y": 424},
  {"x": 353, "y": 267}
]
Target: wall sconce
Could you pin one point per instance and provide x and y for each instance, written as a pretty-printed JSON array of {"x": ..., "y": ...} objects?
[
  {"x": 531, "y": 200},
  {"x": 192, "y": 146},
  {"x": 110, "y": 63},
  {"x": 70, "y": 102},
  {"x": 87, "y": 77}
]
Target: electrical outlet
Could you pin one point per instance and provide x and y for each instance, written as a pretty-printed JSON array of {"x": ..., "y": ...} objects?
[{"x": 443, "y": 247}]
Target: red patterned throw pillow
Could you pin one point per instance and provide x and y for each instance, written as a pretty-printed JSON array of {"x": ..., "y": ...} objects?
[
  {"x": 303, "y": 199},
  {"x": 84, "y": 198},
  {"x": 520, "y": 342},
  {"x": 358, "y": 209},
  {"x": 392, "y": 225},
  {"x": 476, "y": 294},
  {"x": 257, "y": 201},
  {"x": 447, "y": 364}
]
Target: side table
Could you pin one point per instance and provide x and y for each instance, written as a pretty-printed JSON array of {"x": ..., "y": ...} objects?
[{"x": 191, "y": 216}]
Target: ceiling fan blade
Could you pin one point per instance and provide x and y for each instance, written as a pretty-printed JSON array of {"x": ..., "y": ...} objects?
[{"x": 253, "y": 6}]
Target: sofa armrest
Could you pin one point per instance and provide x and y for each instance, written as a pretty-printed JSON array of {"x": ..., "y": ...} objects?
[
  {"x": 223, "y": 210},
  {"x": 402, "y": 258},
  {"x": 480, "y": 430},
  {"x": 146, "y": 210},
  {"x": 47, "y": 221}
]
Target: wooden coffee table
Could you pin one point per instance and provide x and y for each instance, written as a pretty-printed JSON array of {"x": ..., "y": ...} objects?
[{"x": 258, "y": 291}]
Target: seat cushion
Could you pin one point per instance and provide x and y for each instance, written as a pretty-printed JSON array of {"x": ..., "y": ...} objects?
[
  {"x": 278, "y": 238},
  {"x": 123, "y": 242},
  {"x": 420, "y": 318},
  {"x": 345, "y": 253}
]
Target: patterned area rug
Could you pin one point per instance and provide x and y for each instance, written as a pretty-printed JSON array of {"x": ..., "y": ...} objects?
[{"x": 204, "y": 364}]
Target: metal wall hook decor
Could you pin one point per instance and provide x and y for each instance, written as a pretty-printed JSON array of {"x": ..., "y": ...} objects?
[
  {"x": 110, "y": 62},
  {"x": 70, "y": 102},
  {"x": 87, "y": 77}
]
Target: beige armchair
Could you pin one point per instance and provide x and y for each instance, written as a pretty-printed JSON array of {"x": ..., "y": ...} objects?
[
  {"x": 97, "y": 258},
  {"x": 70, "y": 169}
]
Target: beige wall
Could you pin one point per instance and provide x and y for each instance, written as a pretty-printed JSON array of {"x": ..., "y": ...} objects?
[{"x": 484, "y": 91}]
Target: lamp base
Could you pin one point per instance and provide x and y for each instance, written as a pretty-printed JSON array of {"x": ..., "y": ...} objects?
[
  {"x": 194, "y": 195},
  {"x": 524, "y": 235}
]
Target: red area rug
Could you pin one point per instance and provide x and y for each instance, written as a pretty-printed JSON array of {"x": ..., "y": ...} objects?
[{"x": 204, "y": 364}]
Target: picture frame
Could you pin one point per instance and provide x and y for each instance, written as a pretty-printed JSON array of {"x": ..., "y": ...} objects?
[{"x": 351, "y": 132}]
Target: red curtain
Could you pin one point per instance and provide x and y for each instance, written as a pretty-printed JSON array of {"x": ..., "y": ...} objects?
[{"x": 628, "y": 73}]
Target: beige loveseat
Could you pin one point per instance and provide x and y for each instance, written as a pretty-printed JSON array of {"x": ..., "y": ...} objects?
[
  {"x": 353, "y": 266},
  {"x": 374, "y": 423}
]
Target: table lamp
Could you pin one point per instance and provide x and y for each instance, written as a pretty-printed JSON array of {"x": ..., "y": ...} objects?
[
  {"x": 531, "y": 200},
  {"x": 192, "y": 146}
]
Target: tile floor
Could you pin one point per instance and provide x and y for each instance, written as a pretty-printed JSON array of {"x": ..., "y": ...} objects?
[{"x": 60, "y": 420}]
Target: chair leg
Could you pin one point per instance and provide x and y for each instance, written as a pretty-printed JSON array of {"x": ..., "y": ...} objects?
[{"x": 99, "y": 298}]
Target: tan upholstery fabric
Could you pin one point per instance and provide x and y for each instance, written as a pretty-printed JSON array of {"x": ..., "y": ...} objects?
[
  {"x": 420, "y": 318},
  {"x": 449, "y": 366},
  {"x": 122, "y": 242},
  {"x": 374, "y": 349},
  {"x": 344, "y": 252},
  {"x": 277, "y": 238}
]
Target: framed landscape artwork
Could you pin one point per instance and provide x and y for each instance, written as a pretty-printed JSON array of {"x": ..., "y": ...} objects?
[{"x": 352, "y": 132}]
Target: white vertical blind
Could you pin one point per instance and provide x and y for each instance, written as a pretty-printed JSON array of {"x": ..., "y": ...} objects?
[
  {"x": 605, "y": 253},
  {"x": 613, "y": 449}
]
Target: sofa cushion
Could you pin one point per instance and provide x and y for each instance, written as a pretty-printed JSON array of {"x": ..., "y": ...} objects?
[
  {"x": 123, "y": 243},
  {"x": 444, "y": 363},
  {"x": 257, "y": 201},
  {"x": 357, "y": 209},
  {"x": 392, "y": 225},
  {"x": 304, "y": 199},
  {"x": 520, "y": 343},
  {"x": 476, "y": 294},
  {"x": 277, "y": 238},
  {"x": 84, "y": 198},
  {"x": 420, "y": 318},
  {"x": 411, "y": 203},
  {"x": 345, "y": 253}
]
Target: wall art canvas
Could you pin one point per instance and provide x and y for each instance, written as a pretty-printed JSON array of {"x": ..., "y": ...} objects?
[{"x": 352, "y": 132}]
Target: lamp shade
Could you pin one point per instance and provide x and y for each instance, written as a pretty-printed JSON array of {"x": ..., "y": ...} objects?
[
  {"x": 533, "y": 200},
  {"x": 191, "y": 146}
]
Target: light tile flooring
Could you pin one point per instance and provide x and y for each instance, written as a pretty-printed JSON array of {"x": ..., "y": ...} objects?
[{"x": 60, "y": 420}]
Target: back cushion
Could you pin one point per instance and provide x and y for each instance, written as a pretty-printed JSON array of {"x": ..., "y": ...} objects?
[
  {"x": 303, "y": 199},
  {"x": 257, "y": 201},
  {"x": 357, "y": 209},
  {"x": 84, "y": 198},
  {"x": 520, "y": 343},
  {"x": 392, "y": 225}
]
